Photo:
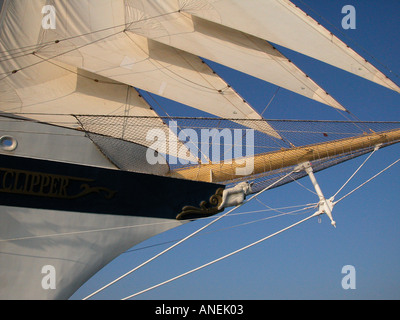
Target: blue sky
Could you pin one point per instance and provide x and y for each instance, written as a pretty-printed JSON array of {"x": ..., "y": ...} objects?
[{"x": 305, "y": 262}]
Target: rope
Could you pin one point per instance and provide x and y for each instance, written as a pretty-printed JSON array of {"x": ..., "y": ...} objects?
[
  {"x": 280, "y": 214},
  {"x": 263, "y": 239},
  {"x": 48, "y": 43},
  {"x": 270, "y": 101},
  {"x": 183, "y": 240},
  {"x": 379, "y": 173},
  {"x": 221, "y": 258},
  {"x": 341, "y": 188}
]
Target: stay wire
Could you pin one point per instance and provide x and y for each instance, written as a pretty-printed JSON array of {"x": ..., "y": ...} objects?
[
  {"x": 183, "y": 240},
  {"x": 221, "y": 258},
  {"x": 254, "y": 243},
  {"x": 369, "y": 180},
  {"x": 358, "y": 169},
  {"x": 280, "y": 214}
]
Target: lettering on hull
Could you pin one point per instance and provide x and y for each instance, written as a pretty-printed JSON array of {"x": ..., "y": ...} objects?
[{"x": 48, "y": 185}]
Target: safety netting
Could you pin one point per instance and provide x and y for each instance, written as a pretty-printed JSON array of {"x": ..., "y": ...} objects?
[{"x": 161, "y": 145}]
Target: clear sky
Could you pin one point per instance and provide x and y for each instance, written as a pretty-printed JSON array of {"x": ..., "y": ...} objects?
[{"x": 305, "y": 262}]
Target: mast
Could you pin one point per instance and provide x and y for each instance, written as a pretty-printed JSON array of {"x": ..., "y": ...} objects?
[{"x": 283, "y": 158}]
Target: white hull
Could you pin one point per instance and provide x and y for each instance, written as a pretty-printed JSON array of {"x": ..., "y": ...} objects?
[
  {"x": 76, "y": 244},
  {"x": 41, "y": 225}
]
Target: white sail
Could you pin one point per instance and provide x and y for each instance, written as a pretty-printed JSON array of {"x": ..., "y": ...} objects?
[
  {"x": 127, "y": 58},
  {"x": 53, "y": 91},
  {"x": 281, "y": 22},
  {"x": 48, "y": 89},
  {"x": 80, "y": 63},
  {"x": 44, "y": 87},
  {"x": 223, "y": 45}
]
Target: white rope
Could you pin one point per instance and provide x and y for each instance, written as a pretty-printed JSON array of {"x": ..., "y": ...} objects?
[
  {"x": 303, "y": 186},
  {"x": 305, "y": 207},
  {"x": 270, "y": 101},
  {"x": 352, "y": 176},
  {"x": 280, "y": 214},
  {"x": 221, "y": 258},
  {"x": 184, "y": 239},
  {"x": 370, "y": 179},
  {"x": 265, "y": 238}
]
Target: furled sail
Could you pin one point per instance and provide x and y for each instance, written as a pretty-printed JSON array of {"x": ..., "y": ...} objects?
[{"x": 281, "y": 22}]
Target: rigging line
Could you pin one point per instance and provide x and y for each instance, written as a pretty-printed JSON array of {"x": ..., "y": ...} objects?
[
  {"x": 284, "y": 66},
  {"x": 77, "y": 48},
  {"x": 57, "y": 55},
  {"x": 313, "y": 90},
  {"x": 163, "y": 68},
  {"x": 370, "y": 155},
  {"x": 6, "y": 75},
  {"x": 357, "y": 122},
  {"x": 25, "y": 48},
  {"x": 23, "y": 53},
  {"x": 281, "y": 214},
  {"x": 370, "y": 179},
  {"x": 275, "y": 140},
  {"x": 282, "y": 137},
  {"x": 227, "y": 87},
  {"x": 116, "y": 111},
  {"x": 129, "y": 24},
  {"x": 126, "y": 112},
  {"x": 270, "y": 101},
  {"x": 204, "y": 75},
  {"x": 313, "y": 206},
  {"x": 172, "y": 119},
  {"x": 5, "y": 56},
  {"x": 301, "y": 185},
  {"x": 223, "y": 257},
  {"x": 155, "y": 101},
  {"x": 184, "y": 239},
  {"x": 3, "y": 59}
]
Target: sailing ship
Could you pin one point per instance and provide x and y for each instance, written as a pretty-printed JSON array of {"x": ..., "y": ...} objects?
[{"x": 81, "y": 81}]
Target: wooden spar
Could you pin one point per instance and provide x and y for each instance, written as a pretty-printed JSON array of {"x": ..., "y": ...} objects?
[{"x": 270, "y": 161}]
